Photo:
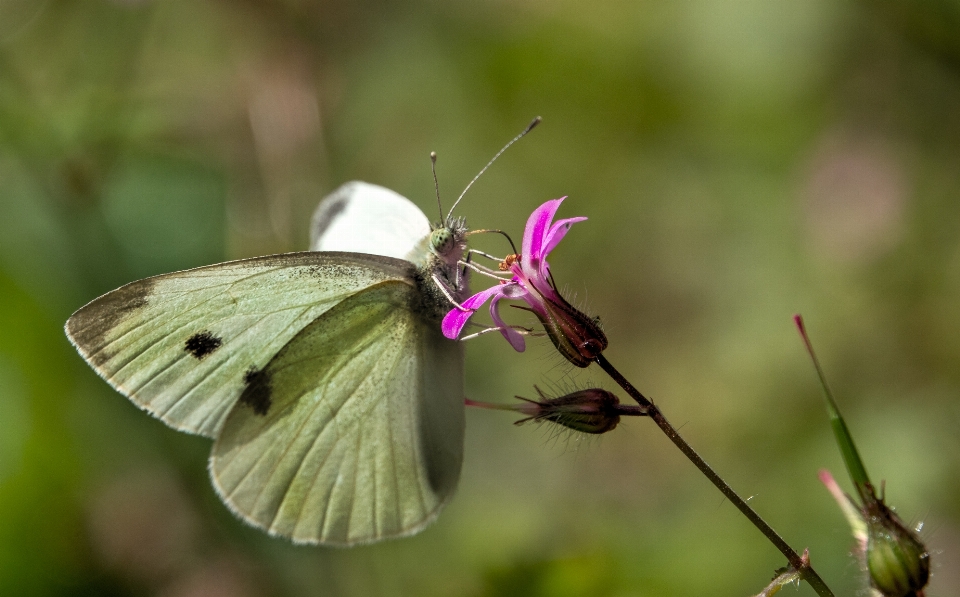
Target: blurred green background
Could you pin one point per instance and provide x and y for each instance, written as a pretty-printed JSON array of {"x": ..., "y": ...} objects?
[{"x": 739, "y": 161}]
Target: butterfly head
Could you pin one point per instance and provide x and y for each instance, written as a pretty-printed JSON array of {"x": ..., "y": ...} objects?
[
  {"x": 448, "y": 240},
  {"x": 447, "y": 244},
  {"x": 441, "y": 241}
]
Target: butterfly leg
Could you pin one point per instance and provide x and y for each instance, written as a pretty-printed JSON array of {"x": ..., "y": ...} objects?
[
  {"x": 446, "y": 292},
  {"x": 462, "y": 272},
  {"x": 486, "y": 271},
  {"x": 483, "y": 254}
]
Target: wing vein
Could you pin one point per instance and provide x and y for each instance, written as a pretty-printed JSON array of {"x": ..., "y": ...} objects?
[
  {"x": 376, "y": 518},
  {"x": 276, "y": 464},
  {"x": 356, "y": 475},
  {"x": 332, "y": 420},
  {"x": 393, "y": 461},
  {"x": 415, "y": 449},
  {"x": 290, "y": 444},
  {"x": 365, "y": 344}
]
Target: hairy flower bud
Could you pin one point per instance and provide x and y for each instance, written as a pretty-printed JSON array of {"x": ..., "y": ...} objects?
[
  {"x": 898, "y": 562},
  {"x": 589, "y": 411}
]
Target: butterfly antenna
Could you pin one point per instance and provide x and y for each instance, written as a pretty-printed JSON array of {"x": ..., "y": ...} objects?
[
  {"x": 436, "y": 185},
  {"x": 529, "y": 128}
]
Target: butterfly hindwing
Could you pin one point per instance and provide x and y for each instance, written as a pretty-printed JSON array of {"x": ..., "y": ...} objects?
[
  {"x": 182, "y": 345},
  {"x": 353, "y": 432}
]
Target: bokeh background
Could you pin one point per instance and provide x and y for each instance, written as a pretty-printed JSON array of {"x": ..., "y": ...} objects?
[{"x": 739, "y": 161}]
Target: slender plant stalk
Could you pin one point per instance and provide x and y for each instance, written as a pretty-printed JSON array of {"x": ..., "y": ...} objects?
[
  {"x": 848, "y": 449},
  {"x": 796, "y": 561}
]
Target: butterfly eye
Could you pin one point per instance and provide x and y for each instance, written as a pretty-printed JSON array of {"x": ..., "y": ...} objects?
[{"x": 441, "y": 241}]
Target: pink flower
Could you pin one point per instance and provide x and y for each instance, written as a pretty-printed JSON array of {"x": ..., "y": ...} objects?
[{"x": 578, "y": 337}]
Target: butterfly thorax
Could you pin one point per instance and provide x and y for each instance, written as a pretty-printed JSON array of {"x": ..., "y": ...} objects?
[{"x": 446, "y": 245}]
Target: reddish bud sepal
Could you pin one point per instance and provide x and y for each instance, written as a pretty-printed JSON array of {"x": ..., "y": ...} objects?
[
  {"x": 588, "y": 411},
  {"x": 577, "y": 336}
]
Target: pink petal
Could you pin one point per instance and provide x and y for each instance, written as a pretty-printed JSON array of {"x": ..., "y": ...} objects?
[
  {"x": 556, "y": 234},
  {"x": 513, "y": 291},
  {"x": 454, "y": 321},
  {"x": 538, "y": 224},
  {"x": 512, "y": 336}
]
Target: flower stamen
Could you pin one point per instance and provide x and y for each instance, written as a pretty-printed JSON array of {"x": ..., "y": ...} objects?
[{"x": 508, "y": 262}]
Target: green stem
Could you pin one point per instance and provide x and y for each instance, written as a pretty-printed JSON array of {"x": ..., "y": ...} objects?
[
  {"x": 796, "y": 561},
  {"x": 848, "y": 449}
]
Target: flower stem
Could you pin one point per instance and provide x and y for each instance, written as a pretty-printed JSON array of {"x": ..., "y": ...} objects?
[
  {"x": 848, "y": 449},
  {"x": 796, "y": 561}
]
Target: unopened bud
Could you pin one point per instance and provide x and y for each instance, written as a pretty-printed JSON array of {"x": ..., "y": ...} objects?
[
  {"x": 898, "y": 562},
  {"x": 589, "y": 411}
]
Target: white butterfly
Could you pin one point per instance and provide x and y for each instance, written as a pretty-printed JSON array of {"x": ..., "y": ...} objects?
[{"x": 335, "y": 402}]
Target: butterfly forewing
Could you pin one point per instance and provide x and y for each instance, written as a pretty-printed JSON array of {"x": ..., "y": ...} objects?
[
  {"x": 354, "y": 432},
  {"x": 185, "y": 345},
  {"x": 367, "y": 218}
]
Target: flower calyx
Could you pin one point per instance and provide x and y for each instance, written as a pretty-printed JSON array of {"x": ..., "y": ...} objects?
[
  {"x": 898, "y": 561},
  {"x": 592, "y": 410}
]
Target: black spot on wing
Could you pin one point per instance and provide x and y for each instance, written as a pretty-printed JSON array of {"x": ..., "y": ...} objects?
[
  {"x": 92, "y": 322},
  {"x": 201, "y": 344},
  {"x": 257, "y": 392}
]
